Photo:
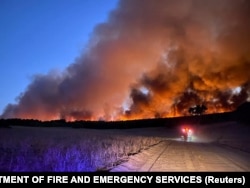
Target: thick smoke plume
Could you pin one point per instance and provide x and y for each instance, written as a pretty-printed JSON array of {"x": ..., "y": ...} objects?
[{"x": 152, "y": 58}]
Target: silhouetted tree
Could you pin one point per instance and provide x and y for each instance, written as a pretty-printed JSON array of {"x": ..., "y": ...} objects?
[{"x": 197, "y": 110}]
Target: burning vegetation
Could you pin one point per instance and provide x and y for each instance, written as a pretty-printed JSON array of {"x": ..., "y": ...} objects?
[{"x": 150, "y": 59}]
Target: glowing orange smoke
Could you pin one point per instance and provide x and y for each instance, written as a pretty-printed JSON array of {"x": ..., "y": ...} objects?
[{"x": 152, "y": 58}]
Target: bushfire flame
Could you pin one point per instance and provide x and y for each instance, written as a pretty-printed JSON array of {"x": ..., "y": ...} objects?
[{"x": 150, "y": 59}]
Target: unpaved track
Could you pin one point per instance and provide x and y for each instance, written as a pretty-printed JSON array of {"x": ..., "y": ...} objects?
[{"x": 171, "y": 155}]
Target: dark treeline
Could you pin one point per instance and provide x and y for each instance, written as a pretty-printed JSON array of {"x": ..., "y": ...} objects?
[{"x": 242, "y": 115}]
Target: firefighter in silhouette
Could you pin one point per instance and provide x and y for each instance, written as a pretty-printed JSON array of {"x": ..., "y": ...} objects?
[{"x": 185, "y": 134}]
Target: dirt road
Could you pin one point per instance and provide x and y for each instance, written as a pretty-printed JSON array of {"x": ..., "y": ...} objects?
[{"x": 172, "y": 155}]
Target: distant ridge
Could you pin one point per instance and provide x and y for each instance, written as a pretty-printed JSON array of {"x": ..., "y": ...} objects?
[
  {"x": 128, "y": 124},
  {"x": 241, "y": 114}
]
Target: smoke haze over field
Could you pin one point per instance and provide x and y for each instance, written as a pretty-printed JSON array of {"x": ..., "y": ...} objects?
[{"x": 150, "y": 59}]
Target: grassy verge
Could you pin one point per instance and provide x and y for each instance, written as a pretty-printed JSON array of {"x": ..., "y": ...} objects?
[{"x": 32, "y": 149}]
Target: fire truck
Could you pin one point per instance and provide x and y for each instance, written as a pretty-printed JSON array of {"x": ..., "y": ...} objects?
[{"x": 187, "y": 133}]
